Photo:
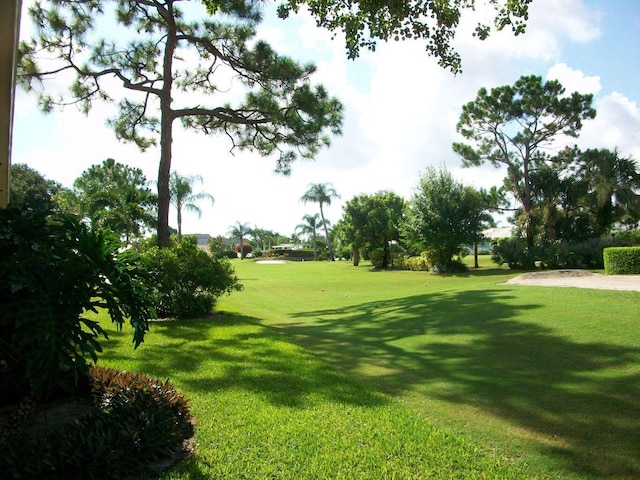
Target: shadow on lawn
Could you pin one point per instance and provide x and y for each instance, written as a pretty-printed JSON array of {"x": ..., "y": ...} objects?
[
  {"x": 251, "y": 358},
  {"x": 465, "y": 348}
]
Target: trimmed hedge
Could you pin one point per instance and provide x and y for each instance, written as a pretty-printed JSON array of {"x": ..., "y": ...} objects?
[
  {"x": 622, "y": 260},
  {"x": 289, "y": 254}
]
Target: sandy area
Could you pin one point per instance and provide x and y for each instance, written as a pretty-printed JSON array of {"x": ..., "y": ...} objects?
[{"x": 578, "y": 279}]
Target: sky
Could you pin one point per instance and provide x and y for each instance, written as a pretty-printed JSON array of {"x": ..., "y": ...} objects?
[{"x": 400, "y": 113}]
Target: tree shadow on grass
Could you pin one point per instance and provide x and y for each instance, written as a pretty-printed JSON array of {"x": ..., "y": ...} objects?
[
  {"x": 252, "y": 357},
  {"x": 467, "y": 348}
]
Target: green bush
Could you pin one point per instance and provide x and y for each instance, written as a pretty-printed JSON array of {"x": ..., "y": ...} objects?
[
  {"x": 290, "y": 254},
  {"x": 134, "y": 420},
  {"x": 622, "y": 260},
  {"x": 54, "y": 269},
  {"x": 185, "y": 280},
  {"x": 553, "y": 255},
  {"x": 629, "y": 238},
  {"x": 420, "y": 263},
  {"x": 513, "y": 252}
]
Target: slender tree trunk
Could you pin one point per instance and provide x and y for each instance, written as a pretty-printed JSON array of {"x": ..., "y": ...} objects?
[
  {"x": 315, "y": 245},
  {"x": 475, "y": 255},
  {"x": 526, "y": 203},
  {"x": 166, "y": 134},
  {"x": 179, "y": 224},
  {"x": 326, "y": 233}
]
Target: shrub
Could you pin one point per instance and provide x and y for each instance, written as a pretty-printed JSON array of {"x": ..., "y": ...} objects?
[
  {"x": 53, "y": 270},
  {"x": 376, "y": 256},
  {"x": 629, "y": 238},
  {"x": 133, "y": 421},
  {"x": 413, "y": 263},
  {"x": 246, "y": 249},
  {"x": 290, "y": 254},
  {"x": 185, "y": 280},
  {"x": 513, "y": 252},
  {"x": 622, "y": 260}
]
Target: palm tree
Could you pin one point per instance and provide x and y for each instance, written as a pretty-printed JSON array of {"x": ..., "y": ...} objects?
[
  {"x": 240, "y": 230},
  {"x": 183, "y": 198},
  {"x": 321, "y": 193},
  {"x": 310, "y": 227},
  {"x": 614, "y": 181}
]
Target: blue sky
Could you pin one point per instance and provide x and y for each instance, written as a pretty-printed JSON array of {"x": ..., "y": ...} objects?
[{"x": 401, "y": 109}]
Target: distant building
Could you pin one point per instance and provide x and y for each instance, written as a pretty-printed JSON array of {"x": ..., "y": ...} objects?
[
  {"x": 203, "y": 240},
  {"x": 491, "y": 234}
]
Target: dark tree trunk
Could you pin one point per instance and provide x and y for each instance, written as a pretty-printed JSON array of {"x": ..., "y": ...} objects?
[
  {"x": 475, "y": 256},
  {"x": 166, "y": 135}
]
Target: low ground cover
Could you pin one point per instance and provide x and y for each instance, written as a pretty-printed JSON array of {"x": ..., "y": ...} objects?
[{"x": 324, "y": 370}]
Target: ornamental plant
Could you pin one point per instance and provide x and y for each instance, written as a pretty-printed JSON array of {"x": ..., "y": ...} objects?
[{"x": 54, "y": 269}]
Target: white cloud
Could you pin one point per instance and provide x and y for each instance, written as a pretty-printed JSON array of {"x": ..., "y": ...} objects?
[
  {"x": 617, "y": 125},
  {"x": 574, "y": 80}
]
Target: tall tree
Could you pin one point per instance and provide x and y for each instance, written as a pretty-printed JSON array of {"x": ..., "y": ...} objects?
[
  {"x": 365, "y": 21},
  {"x": 240, "y": 230},
  {"x": 168, "y": 67},
  {"x": 615, "y": 187},
  {"x": 322, "y": 194},
  {"x": 183, "y": 198},
  {"x": 310, "y": 227},
  {"x": 373, "y": 222},
  {"x": 444, "y": 216},
  {"x": 511, "y": 126},
  {"x": 31, "y": 190},
  {"x": 116, "y": 197}
]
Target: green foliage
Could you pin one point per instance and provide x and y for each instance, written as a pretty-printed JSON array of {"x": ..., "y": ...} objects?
[
  {"x": 186, "y": 281},
  {"x": 622, "y": 260},
  {"x": 443, "y": 216},
  {"x": 54, "y": 269},
  {"x": 513, "y": 252},
  {"x": 511, "y": 126},
  {"x": 134, "y": 420},
  {"x": 630, "y": 238},
  {"x": 371, "y": 223},
  {"x": 116, "y": 197},
  {"x": 364, "y": 22},
  {"x": 322, "y": 194},
  {"x": 30, "y": 189},
  {"x": 183, "y": 198},
  {"x": 298, "y": 254},
  {"x": 552, "y": 255},
  {"x": 279, "y": 111},
  {"x": 417, "y": 264}
]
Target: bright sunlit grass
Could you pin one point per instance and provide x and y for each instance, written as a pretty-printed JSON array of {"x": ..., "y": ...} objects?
[{"x": 323, "y": 370}]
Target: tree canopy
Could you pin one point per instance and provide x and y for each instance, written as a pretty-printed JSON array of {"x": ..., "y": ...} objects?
[
  {"x": 31, "y": 190},
  {"x": 514, "y": 126},
  {"x": 173, "y": 68},
  {"x": 444, "y": 216},
  {"x": 115, "y": 197},
  {"x": 322, "y": 194},
  {"x": 183, "y": 198},
  {"x": 364, "y": 22},
  {"x": 372, "y": 222}
]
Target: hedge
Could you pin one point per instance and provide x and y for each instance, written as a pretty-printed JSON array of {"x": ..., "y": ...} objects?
[{"x": 622, "y": 260}]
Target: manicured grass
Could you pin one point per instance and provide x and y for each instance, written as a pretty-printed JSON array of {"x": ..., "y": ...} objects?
[{"x": 323, "y": 370}]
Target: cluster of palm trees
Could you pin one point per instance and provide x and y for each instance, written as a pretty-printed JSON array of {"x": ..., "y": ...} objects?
[{"x": 320, "y": 193}]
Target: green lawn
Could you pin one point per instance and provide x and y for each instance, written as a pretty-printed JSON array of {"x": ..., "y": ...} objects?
[{"x": 322, "y": 370}]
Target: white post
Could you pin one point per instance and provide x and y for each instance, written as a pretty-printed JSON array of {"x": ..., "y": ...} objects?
[{"x": 9, "y": 33}]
